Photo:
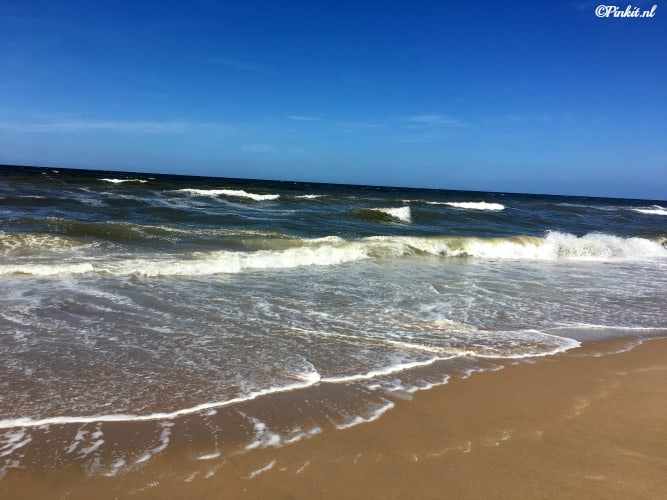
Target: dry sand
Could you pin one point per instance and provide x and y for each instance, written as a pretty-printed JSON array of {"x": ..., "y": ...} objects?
[{"x": 566, "y": 426}]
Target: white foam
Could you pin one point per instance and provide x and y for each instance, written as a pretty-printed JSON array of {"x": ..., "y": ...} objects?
[
  {"x": 13, "y": 440},
  {"x": 332, "y": 250},
  {"x": 592, "y": 326},
  {"x": 238, "y": 193},
  {"x": 358, "y": 419},
  {"x": 565, "y": 345},
  {"x": 264, "y": 438},
  {"x": 555, "y": 246},
  {"x": 164, "y": 437},
  {"x": 80, "y": 436},
  {"x": 315, "y": 253},
  {"x": 307, "y": 380},
  {"x": 116, "y": 467},
  {"x": 402, "y": 213},
  {"x": 471, "y": 205},
  {"x": 35, "y": 241},
  {"x": 355, "y": 338},
  {"x": 596, "y": 246},
  {"x": 94, "y": 445},
  {"x": 261, "y": 470},
  {"x": 47, "y": 269},
  {"x": 397, "y": 388},
  {"x": 164, "y": 442},
  {"x": 653, "y": 210},
  {"x": 381, "y": 372},
  {"x": 309, "y": 196},
  {"x": 303, "y": 467},
  {"x": 120, "y": 181},
  {"x": 297, "y": 434},
  {"x": 209, "y": 456}
]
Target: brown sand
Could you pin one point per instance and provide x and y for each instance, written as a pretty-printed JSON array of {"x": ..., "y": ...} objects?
[{"x": 566, "y": 426}]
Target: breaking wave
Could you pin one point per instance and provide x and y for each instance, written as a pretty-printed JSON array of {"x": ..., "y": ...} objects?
[
  {"x": 402, "y": 213},
  {"x": 334, "y": 250},
  {"x": 385, "y": 215},
  {"x": 653, "y": 210},
  {"x": 120, "y": 181},
  {"x": 237, "y": 193},
  {"x": 470, "y": 205}
]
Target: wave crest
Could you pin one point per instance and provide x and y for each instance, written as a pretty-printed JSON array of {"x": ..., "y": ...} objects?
[
  {"x": 238, "y": 193},
  {"x": 332, "y": 250},
  {"x": 470, "y": 205},
  {"x": 402, "y": 213},
  {"x": 653, "y": 210}
]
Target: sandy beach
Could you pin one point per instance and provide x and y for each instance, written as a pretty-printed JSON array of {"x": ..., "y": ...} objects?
[{"x": 577, "y": 424}]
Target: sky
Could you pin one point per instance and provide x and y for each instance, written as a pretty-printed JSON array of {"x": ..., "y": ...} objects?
[{"x": 524, "y": 96}]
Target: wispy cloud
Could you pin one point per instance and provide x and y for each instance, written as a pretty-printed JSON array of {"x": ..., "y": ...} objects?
[
  {"x": 257, "y": 148},
  {"x": 143, "y": 127},
  {"x": 429, "y": 127},
  {"x": 357, "y": 124},
  {"x": 341, "y": 124},
  {"x": 434, "y": 120},
  {"x": 302, "y": 118},
  {"x": 517, "y": 118}
]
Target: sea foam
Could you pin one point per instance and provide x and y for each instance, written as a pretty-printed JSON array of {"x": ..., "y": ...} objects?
[
  {"x": 332, "y": 250},
  {"x": 306, "y": 380},
  {"x": 402, "y": 213},
  {"x": 654, "y": 210},
  {"x": 471, "y": 205},
  {"x": 120, "y": 181},
  {"x": 238, "y": 193}
]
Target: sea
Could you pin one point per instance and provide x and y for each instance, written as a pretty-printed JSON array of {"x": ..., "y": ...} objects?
[{"x": 142, "y": 310}]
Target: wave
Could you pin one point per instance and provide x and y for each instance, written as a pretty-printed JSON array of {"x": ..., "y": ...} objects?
[
  {"x": 306, "y": 380},
  {"x": 75, "y": 235},
  {"x": 470, "y": 205},
  {"x": 120, "y": 181},
  {"x": 21, "y": 243},
  {"x": 384, "y": 215},
  {"x": 238, "y": 193},
  {"x": 402, "y": 213},
  {"x": 333, "y": 250},
  {"x": 653, "y": 210},
  {"x": 263, "y": 437},
  {"x": 309, "y": 196},
  {"x": 555, "y": 246}
]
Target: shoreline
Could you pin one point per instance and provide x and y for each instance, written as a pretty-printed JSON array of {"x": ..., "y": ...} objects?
[{"x": 587, "y": 422}]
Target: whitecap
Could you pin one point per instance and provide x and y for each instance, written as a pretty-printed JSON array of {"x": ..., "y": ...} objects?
[
  {"x": 120, "y": 181},
  {"x": 653, "y": 210},
  {"x": 238, "y": 193},
  {"x": 472, "y": 205},
  {"x": 402, "y": 213}
]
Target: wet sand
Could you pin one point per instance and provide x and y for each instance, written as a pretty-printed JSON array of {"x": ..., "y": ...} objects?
[{"x": 571, "y": 425}]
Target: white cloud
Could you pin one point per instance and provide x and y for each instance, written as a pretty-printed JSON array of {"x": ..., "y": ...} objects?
[
  {"x": 357, "y": 125},
  {"x": 434, "y": 120},
  {"x": 301, "y": 118},
  {"x": 257, "y": 148},
  {"x": 145, "y": 127}
]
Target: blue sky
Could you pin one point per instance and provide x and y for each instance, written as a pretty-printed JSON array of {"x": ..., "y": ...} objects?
[{"x": 529, "y": 96}]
